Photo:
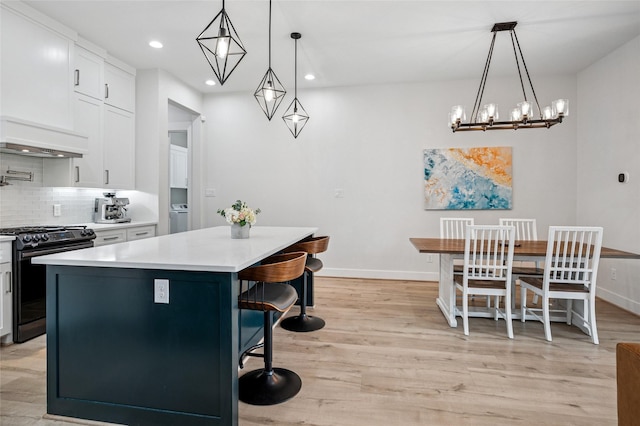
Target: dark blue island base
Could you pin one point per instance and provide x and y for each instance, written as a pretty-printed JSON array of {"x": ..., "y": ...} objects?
[{"x": 114, "y": 355}]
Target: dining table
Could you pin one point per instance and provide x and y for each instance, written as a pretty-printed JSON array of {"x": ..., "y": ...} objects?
[{"x": 450, "y": 249}]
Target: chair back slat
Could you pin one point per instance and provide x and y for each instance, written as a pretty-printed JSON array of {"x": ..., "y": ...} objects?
[
  {"x": 311, "y": 245},
  {"x": 454, "y": 227},
  {"x": 488, "y": 253},
  {"x": 277, "y": 268},
  {"x": 526, "y": 229},
  {"x": 573, "y": 255}
]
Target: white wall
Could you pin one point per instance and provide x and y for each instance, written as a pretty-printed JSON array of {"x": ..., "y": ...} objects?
[
  {"x": 609, "y": 143},
  {"x": 368, "y": 141},
  {"x": 154, "y": 89}
]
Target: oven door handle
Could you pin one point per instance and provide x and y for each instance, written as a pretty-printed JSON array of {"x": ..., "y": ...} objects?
[{"x": 30, "y": 254}]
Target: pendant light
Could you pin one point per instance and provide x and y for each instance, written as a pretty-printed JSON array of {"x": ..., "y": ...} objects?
[
  {"x": 270, "y": 92},
  {"x": 295, "y": 117},
  {"x": 485, "y": 117},
  {"x": 221, "y": 46}
]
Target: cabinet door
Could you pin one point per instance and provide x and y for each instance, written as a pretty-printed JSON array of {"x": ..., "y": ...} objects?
[
  {"x": 36, "y": 71},
  {"x": 178, "y": 169},
  {"x": 6, "y": 298},
  {"x": 119, "y": 88},
  {"x": 87, "y": 171},
  {"x": 119, "y": 148},
  {"x": 88, "y": 75}
]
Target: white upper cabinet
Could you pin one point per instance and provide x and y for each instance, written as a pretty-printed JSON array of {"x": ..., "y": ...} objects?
[
  {"x": 88, "y": 75},
  {"x": 119, "y": 148},
  {"x": 119, "y": 87},
  {"x": 178, "y": 167},
  {"x": 36, "y": 67}
]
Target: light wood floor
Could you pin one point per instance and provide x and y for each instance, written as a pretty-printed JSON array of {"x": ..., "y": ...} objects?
[{"x": 387, "y": 357}]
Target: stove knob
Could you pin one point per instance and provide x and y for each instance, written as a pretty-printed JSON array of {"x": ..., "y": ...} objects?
[
  {"x": 26, "y": 238},
  {"x": 44, "y": 237},
  {"x": 89, "y": 232},
  {"x": 36, "y": 238}
]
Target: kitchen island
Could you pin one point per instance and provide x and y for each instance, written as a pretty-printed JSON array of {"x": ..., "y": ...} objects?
[{"x": 118, "y": 352}]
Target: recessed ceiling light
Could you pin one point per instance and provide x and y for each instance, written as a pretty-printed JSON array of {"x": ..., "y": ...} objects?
[
  {"x": 309, "y": 77},
  {"x": 155, "y": 44},
  {"x": 210, "y": 83}
]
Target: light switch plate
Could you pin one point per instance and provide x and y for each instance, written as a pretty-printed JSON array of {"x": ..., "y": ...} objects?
[{"x": 160, "y": 291}]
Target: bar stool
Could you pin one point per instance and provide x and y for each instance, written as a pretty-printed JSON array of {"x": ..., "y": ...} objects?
[
  {"x": 268, "y": 385},
  {"x": 304, "y": 322}
]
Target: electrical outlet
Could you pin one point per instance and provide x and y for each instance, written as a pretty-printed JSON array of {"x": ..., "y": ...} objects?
[
  {"x": 210, "y": 192},
  {"x": 57, "y": 210},
  {"x": 339, "y": 193},
  {"x": 429, "y": 258},
  {"x": 160, "y": 291},
  {"x": 614, "y": 274}
]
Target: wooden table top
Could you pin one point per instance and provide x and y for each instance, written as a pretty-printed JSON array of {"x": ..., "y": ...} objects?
[{"x": 523, "y": 248}]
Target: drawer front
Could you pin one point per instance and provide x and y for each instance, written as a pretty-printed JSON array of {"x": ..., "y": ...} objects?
[
  {"x": 141, "y": 232},
  {"x": 110, "y": 237}
]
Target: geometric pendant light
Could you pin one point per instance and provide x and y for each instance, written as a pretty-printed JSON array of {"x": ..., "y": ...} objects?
[
  {"x": 270, "y": 91},
  {"x": 295, "y": 117},
  {"x": 221, "y": 46}
]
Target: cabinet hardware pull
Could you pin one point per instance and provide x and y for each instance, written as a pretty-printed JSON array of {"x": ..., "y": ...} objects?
[
  {"x": 77, "y": 174},
  {"x": 77, "y": 78},
  {"x": 141, "y": 233},
  {"x": 110, "y": 238},
  {"x": 10, "y": 288},
  {"x": 106, "y": 177},
  {"x": 106, "y": 91}
]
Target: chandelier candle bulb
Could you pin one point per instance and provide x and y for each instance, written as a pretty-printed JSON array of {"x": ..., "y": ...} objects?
[{"x": 560, "y": 108}]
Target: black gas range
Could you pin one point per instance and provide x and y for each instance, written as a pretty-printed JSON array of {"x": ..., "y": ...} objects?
[{"x": 29, "y": 280}]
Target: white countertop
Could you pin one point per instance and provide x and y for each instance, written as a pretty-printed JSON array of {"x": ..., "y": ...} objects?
[
  {"x": 210, "y": 249},
  {"x": 7, "y": 238}
]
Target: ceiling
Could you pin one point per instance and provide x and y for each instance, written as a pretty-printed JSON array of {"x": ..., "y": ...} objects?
[{"x": 356, "y": 42}]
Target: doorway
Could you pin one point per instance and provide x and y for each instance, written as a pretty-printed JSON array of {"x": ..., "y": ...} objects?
[{"x": 180, "y": 144}]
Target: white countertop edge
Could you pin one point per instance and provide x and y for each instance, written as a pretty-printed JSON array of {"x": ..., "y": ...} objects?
[
  {"x": 207, "y": 250},
  {"x": 7, "y": 238},
  {"x": 109, "y": 226}
]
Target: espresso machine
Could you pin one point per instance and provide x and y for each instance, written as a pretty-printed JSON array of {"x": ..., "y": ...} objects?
[{"x": 111, "y": 209}]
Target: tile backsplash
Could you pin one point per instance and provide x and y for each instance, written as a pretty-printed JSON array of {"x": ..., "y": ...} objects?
[{"x": 31, "y": 203}]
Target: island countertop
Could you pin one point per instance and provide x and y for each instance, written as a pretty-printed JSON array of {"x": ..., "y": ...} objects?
[{"x": 209, "y": 250}]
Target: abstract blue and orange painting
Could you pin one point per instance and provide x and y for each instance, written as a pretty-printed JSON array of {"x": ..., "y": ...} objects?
[{"x": 468, "y": 179}]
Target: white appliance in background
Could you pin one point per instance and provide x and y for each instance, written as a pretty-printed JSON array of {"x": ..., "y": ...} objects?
[{"x": 178, "y": 218}]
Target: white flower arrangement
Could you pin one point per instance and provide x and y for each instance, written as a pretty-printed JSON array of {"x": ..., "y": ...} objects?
[{"x": 239, "y": 213}]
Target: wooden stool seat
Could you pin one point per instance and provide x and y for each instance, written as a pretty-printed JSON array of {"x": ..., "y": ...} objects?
[
  {"x": 269, "y": 385},
  {"x": 302, "y": 321}
]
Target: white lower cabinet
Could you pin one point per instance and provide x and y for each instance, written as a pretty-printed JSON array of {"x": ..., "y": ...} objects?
[
  {"x": 120, "y": 235},
  {"x": 110, "y": 237},
  {"x": 6, "y": 289},
  {"x": 141, "y": 232}
]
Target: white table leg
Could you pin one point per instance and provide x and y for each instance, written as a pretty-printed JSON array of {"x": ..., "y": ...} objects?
[{"x": 447, "y": 290}]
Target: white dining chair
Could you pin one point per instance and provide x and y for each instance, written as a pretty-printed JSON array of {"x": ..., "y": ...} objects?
[
  {"x": 526, "y": 230},
  {"x": 454, "y": 228},
  {"x": 488, "y": 258},
  {"x": 570, "y": 273}
]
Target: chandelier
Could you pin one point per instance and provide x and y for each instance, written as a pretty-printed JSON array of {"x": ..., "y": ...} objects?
[
  {"x": 221, "y": 45},
  {"x": 486, "y": 117}
]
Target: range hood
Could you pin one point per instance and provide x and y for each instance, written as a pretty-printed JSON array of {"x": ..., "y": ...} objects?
[{"x": 24, "y": 137}]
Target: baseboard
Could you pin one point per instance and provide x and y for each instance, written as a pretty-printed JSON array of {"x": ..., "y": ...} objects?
[
  {"x": 378, "y": 274},
  {"x": 625, "y": 303}
]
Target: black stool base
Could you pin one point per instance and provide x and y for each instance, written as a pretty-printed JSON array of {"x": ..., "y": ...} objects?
[
  {"x": 302, "y": 323},
  {"x": 258, "y": 388}
]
